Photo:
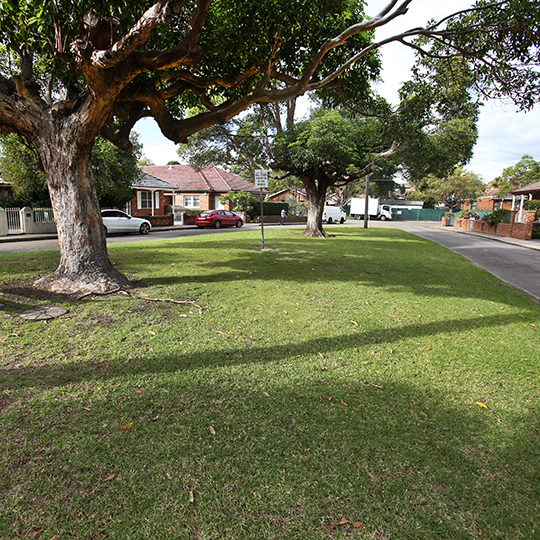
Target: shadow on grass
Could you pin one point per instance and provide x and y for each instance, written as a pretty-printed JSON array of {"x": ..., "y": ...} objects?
[
  {"x": 385, "y": 258},
  {"x": 285, "y": 458},
  {"x": 230, "y": 355}
]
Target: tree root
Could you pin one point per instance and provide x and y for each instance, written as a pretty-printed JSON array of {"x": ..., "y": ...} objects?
[{"x": 134, "y": 295}]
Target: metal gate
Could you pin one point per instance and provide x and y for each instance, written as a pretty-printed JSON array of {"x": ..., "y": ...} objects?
[{"x": 14, "y": 220}]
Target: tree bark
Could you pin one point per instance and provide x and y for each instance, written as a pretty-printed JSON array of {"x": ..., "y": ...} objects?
[
  {"x": 84, "y": 263},
  {"x": 316, "y": 195}
]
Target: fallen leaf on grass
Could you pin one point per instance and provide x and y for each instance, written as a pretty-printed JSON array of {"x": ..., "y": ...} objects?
[
  {"x": 266, "y": 394},
  {"x": 345, "y": 523},
  {"x": 212, "y": 430},
  {"x": 423, "y": 414},
  {"x": 126, "y": 427},
  {"x": 191, "y": 497},
  {"x": 109, "y": 478},
  {"x": 371, "y": 476},
  {"x": 484, "y": 406}
]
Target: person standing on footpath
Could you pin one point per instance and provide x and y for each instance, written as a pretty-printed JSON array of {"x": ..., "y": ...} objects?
[{"x": 283, "y": 215}]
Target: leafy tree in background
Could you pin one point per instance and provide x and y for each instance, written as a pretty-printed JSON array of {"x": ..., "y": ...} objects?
[
  {"x": 451, "y": 190},
  {"x": 526, "y": 171},
  {"x": 325, "y": 150},
  {"x": 114, "y": 171},
  {"x": 239, "y": 201},
  {"x": 72, "y": 71}
]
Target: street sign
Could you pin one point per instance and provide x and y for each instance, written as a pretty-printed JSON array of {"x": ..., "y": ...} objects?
[{"x": 261, "y": 178}]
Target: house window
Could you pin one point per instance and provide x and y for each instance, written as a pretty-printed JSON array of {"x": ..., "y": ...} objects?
[
  {"x": 192, "y": 201},
  {"x": 145, "y": 199}
]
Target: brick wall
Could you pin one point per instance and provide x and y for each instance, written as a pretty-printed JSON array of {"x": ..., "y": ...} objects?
[
  {"x": 165, "y": 220},
  {"x": 521, "y": 231}
]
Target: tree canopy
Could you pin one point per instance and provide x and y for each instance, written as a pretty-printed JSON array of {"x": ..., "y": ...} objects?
[
  {"x": 72, "y": 71},
  {"x": 451, "y": 190},
  {"x": 114, "y": 170},
  {"x": 526, "y": 171}
]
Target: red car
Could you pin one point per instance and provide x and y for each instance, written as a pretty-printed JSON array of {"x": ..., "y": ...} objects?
[{"x": 218, "y": 219}]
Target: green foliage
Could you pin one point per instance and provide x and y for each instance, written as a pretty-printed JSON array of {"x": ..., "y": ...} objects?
[
  {"x": 270, "y": 208},
  {"x": 452, "y": 190},
  {"x": 500, "y": 43},
  {"x": 468, "y": 214},
  {"x": 436, "y": 119},
  {"x": 19, "y": 165},
  {"x": 531, "y": 205},
  {"x": 240, "y": 201},
  {"x": 144, "y": 162},
  {"x": 114, "y": 171},
  {"x": 526, "y": 171},
  {"x": 296, "y": 208},
  {"x": 497, "y": 216}
]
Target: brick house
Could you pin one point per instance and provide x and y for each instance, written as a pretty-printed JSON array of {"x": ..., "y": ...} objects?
[
  {"x": 532, "y": 191},
  {"x": 6, "y": 189},
  {"x": 489, "y": 201},
  {"x": 279, "y": 196},
  {"x": 525, "y": 193},
  {"x": 199, "y": 189},
  {"x": 153, "y": 200}
]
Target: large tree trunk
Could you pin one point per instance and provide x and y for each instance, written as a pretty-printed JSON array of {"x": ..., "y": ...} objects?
[
  {"x": 84, "y": 263},
  {"x": 316, "y": 197}
]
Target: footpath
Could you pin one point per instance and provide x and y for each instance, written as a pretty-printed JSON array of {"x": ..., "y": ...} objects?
[
  {"x": 409, "y": 226},
  {"x": 531, "y": 244}
]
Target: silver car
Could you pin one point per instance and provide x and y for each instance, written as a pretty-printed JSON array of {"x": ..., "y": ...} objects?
[{"x": 116, "y": 221}]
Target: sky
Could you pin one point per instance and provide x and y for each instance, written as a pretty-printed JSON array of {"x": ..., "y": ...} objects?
[{"x": 505, "y": 134}]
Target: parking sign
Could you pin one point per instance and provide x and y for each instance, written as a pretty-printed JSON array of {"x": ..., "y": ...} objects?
[{"x": 261, "y": 178}]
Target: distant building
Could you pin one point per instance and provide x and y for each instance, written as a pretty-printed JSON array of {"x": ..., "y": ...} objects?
[
  {"x": 279, "y": 196},
  {"x": 199, "y": 189}
]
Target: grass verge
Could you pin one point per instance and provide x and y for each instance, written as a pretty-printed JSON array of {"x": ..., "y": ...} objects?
[{"x": 372, "y": 385}]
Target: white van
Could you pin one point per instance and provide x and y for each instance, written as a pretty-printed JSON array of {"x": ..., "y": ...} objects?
[{"x": 333, "y": 214}]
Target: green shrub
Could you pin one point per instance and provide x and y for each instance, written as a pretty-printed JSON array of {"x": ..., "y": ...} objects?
[
  {"x": 468, "y": 214},
  {"x": 533, "y": 205},
  {"x": 270, "y": 208},
  {"x": 497, "y": 216}
]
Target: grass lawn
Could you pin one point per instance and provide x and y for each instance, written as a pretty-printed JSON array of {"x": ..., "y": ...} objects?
[{"x": 368, "y": 386}]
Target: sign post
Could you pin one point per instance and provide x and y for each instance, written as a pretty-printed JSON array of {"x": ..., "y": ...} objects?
[
  {"x": 261, "y": 181},
  {"x": 366, "y": 212}
]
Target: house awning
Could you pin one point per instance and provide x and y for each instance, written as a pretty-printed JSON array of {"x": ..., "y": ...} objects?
[{"x": 533, "y": 189}]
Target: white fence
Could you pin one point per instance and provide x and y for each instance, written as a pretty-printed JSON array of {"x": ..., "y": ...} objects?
[{"x": 26, "y": 221}]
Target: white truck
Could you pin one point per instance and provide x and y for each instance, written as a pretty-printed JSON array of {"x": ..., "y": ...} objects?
[
  {"x": 333, "y": 214},
  {"x": 375, "y": 209}
]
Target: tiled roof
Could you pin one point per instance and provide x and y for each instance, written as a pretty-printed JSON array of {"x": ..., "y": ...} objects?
[
  {"x": 148, "y": 181},
  {"x": 531, "y": 188},
  {"x": 208, "y": 179}
]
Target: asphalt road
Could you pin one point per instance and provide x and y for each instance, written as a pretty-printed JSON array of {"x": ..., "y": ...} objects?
[{"x": 514, "y": 264}]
